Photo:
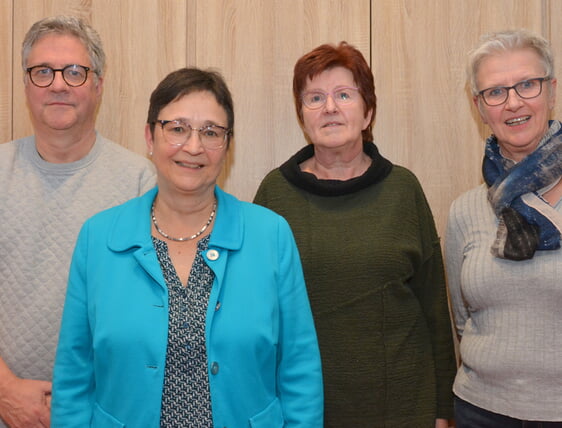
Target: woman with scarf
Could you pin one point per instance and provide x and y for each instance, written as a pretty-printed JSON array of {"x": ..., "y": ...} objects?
[
  {"x": 371, "y": 255},
  {"x": 503, "y": 255}
]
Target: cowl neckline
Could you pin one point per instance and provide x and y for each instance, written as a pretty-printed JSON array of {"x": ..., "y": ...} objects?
[{"x": 378, "y": 170}]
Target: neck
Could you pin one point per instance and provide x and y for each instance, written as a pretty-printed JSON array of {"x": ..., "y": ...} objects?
[
  {"x": 62, "y": 147},
  {"x": 182, "y": 219},
  {"x": 337, "y": 165}
]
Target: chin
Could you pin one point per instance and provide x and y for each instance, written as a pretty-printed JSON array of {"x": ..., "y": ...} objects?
[{"x": 60, "y": 123}]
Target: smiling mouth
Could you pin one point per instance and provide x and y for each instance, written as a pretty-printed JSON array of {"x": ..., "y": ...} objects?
[
  {"x": 331, "y": 124},
  {"x": 517, "y": 120},
  {"x": 188, "y": 165}
]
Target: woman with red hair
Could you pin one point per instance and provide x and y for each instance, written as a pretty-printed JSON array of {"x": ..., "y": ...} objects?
[{"x": 371, "y": 255}]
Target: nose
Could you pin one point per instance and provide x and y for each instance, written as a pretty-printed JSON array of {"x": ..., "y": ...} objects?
[
  {"x": 58, "y": 82},
  {"x": 330, "y": 105},
  {"x": 513, "y": 101},
  {"x": 193, "y": 143}
]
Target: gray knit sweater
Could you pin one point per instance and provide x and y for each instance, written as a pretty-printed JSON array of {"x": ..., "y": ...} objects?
[
  {"x": 509, "y": 314},
  {"x": 42, "y": 207}
]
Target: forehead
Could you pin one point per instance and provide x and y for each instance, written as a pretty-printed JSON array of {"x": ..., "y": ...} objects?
[
  {"x": 199, "y": 106},
  {"x": 507, "y": 68},
  {"x": 330, "y": 78},
  {"x": 58, "y": 50}
]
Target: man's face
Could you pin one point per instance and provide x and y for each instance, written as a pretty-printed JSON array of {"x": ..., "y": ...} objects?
[{"x": 60, "y": 107}]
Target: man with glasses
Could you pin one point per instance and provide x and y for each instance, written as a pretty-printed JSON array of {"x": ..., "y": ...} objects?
[{"x": 51, "y": 182}]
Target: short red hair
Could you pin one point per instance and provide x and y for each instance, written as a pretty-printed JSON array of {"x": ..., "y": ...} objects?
[{"x": 328, "y": 56}]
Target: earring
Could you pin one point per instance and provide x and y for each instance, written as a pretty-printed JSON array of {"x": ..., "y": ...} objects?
[{"x": 149, "y": 154}]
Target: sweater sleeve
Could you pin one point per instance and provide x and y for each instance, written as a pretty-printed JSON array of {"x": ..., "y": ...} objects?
[
  {"x": 430, "y": 286},
  {"x": 73, "y": 382},
  {"x": 264, "y": 189}
]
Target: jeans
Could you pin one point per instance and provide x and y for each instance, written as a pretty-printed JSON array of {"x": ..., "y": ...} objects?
[{"x": 470, "y": 416}]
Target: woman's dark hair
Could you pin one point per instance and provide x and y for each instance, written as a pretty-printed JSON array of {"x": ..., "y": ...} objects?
[{"x": 185, "y": 81}]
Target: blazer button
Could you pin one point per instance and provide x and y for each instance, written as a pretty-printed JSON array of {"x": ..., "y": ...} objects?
[
  {"x": 218, "y": 306},
  {"x": 212, "y": 254},
  {"x": 214, "y": 368}
]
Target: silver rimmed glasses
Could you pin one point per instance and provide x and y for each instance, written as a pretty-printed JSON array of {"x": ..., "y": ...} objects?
[
  {"x": 341, "y": 96},
  {"x": 177, "y": 133}
]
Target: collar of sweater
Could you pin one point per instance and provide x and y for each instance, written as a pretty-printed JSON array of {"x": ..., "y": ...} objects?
[{"x": 379, "y": 169}]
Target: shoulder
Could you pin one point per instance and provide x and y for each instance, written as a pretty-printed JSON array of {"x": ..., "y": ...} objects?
[
  {"x": 471, "y": 199},
  {"x": 115, "y": 153},
  {"x": 272, "y": 175},
  {"x": 10, "y": 148},
  {"x": 252, "y": 211},
  {"x": 273, "y": 179},
  {"x": 256, "y": 219},
  {"x": 275, "y": 191},
  {"x": 124, "y": 167},
  {"x": 403, "y": 176},
  {"x": 404, "y": 185},
  {"x": 469, "y": 209},
  {"x": 130, "y": 209},
  {"x": 16, "y": 154},
  {"x": 7, "y": 153}
]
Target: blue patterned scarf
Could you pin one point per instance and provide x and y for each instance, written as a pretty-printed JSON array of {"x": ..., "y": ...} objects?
[{"x": 526, "y": 221}]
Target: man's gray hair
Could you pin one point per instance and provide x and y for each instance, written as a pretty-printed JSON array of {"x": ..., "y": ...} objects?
[{"x": 67, "y": 25}]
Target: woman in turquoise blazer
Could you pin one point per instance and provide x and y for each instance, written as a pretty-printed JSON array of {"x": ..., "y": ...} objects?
[{"x": 114, "y": 364}]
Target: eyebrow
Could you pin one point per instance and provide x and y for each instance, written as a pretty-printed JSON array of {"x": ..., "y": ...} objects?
[
  {"x": 46, "y": 64},
  {"x": 519, "y": 81},
  {"x": 207, "y": 122}
]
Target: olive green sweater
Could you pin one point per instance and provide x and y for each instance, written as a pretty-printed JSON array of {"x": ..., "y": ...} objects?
[{"x": 374, "y": 272}]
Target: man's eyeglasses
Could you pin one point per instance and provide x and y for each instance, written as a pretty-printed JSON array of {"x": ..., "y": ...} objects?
[
  {"x": 526, "y": 89},
  {"x": 74, "y": 75},
  {"x": 177, "y": 133},
  {"x": 341, "y": 96}
]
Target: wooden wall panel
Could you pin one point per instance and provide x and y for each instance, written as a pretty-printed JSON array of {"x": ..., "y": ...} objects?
[
  {"x": 256, "y": 44},
  {"x": 552, "y": 17},
  {"x": 425, "y": 118},
  {"x": 6, "y": 72},
  {"x": 143, "y": 40}
]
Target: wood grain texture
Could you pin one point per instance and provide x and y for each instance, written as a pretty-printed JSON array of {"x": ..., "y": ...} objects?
[
  {"x": 6, "y": 72},
  {"x": 143, "y": 41},
  {"x": 417, "y": 49}
]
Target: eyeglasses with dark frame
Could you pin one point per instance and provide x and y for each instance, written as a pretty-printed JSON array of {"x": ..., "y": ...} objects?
[
  {"x": 526, "y": 89},
  {"x": 43, "y": 76},
  {"x": 177, "y": 133},
  {"x": 341, "y": 96}
]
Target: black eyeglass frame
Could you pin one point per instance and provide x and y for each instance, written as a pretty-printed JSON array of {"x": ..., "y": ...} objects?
[
  {"x": 227, "y": 132},
  {"x": 514, "y": 87},
  {"x": 62, "y": 70}
]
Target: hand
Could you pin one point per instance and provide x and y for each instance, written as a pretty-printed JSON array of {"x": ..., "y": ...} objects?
[
  {"x": 442, "y": 423},
  {"x": 25, "y": 403}
]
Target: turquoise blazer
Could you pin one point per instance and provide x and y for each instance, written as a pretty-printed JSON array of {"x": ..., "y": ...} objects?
[{"x": 263, "y": 360}]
